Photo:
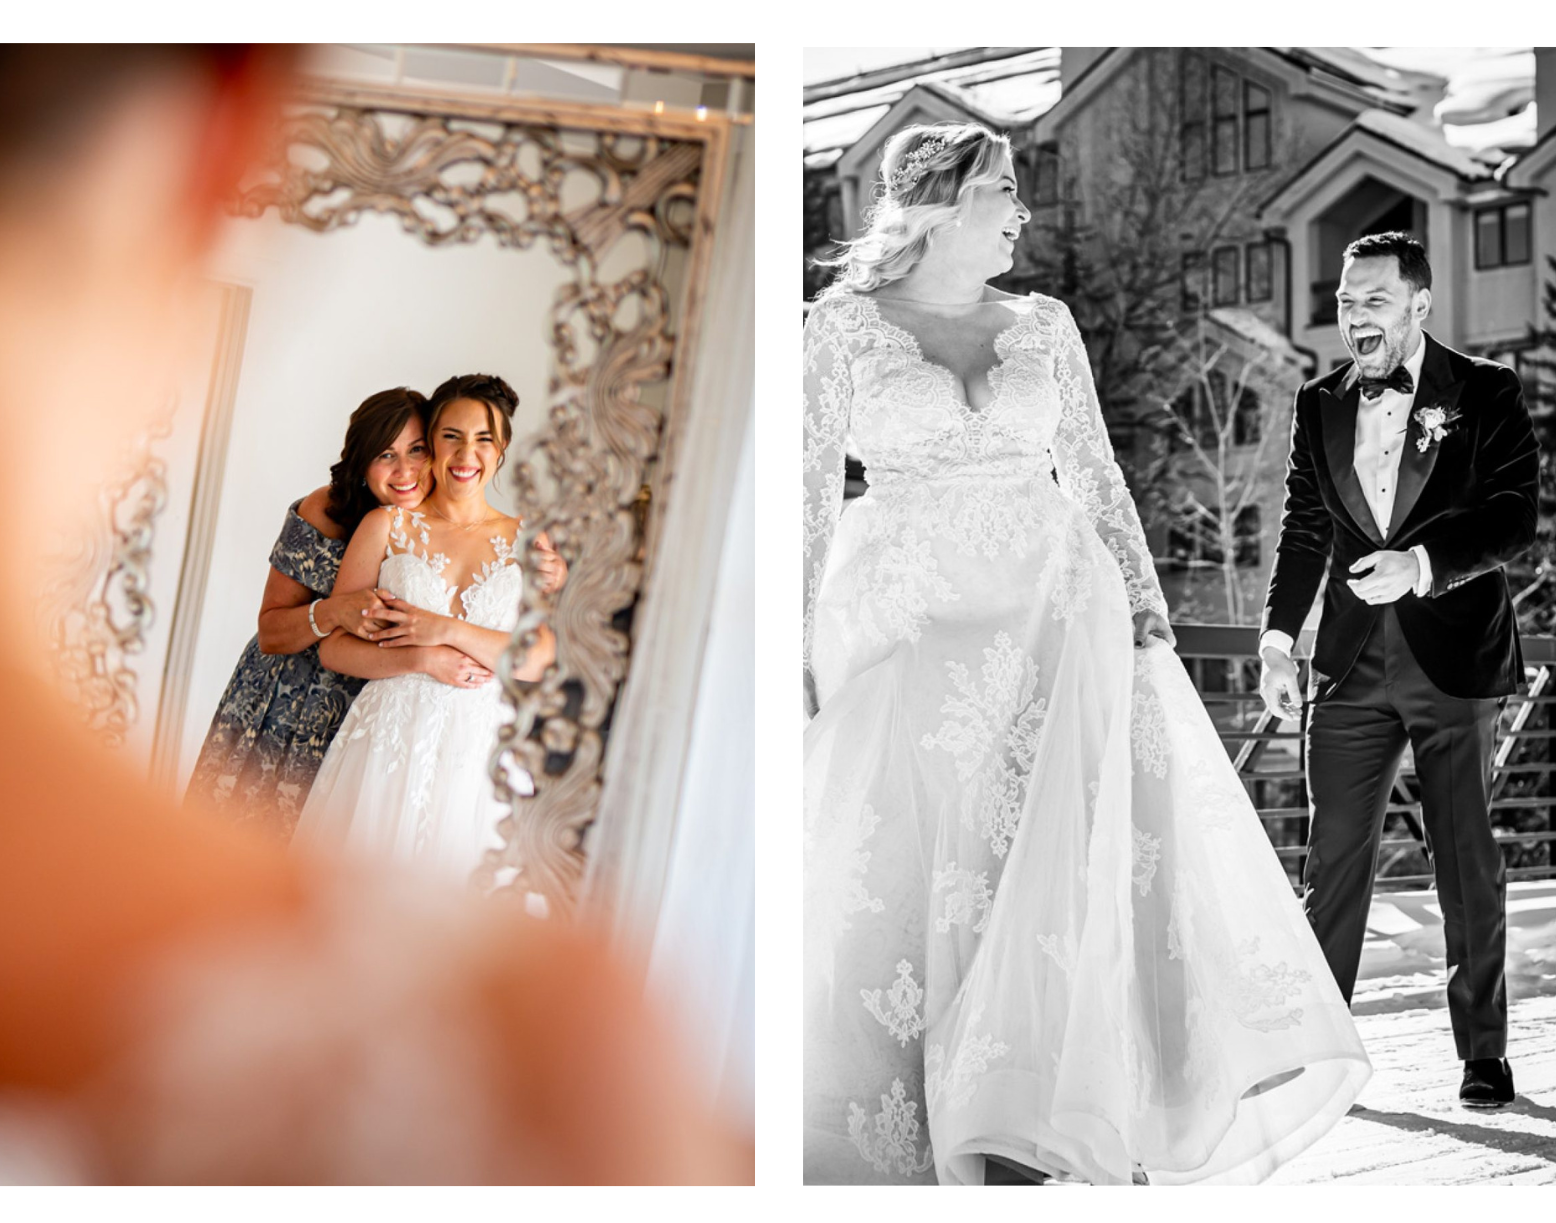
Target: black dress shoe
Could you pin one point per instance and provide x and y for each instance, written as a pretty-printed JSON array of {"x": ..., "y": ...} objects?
[{"x": 1488, "y": 1083}]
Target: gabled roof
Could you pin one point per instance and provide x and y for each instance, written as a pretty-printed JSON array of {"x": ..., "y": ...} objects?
[
  {"x": 936, "y": 99},
  {"x": 1347, "y": 76},
  {"x": 1532, "y": 166},
  {"x": 1380, "y": 128}
]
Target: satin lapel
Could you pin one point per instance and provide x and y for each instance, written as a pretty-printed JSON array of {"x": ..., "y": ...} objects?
[
  {"x": 1338, "y": 413},
  {"x": 1437, "y": 390}
]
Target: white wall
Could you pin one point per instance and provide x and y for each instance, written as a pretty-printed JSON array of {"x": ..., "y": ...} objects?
[{"x": 334, "y": 318}]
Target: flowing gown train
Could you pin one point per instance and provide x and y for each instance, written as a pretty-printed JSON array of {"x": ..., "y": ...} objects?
[{"x": 1042, "y": 920}]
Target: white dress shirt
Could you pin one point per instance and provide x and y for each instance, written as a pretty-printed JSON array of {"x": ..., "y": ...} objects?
[{"x": 1380, "y": 444}]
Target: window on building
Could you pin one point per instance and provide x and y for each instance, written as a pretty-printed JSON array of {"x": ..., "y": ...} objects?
[
  {"x": 1502, "y": 235},
  {"x": 1045, "y": 189},
  {"x": 1256, "y": 127},
  {"x": 1248, "y": 420},
  {"x": 1225, "y": 262},
  {"x": 1194, "y": 102},
  {"x": 1256, "y": 270},
  {"x": 1193, "y": 282},
  {"x": 1225, "y": 120},
  {"x": 1224, "y": 126},
  {"x": 1246, "y": 537},
  {"x": 1195, "y": 539}
]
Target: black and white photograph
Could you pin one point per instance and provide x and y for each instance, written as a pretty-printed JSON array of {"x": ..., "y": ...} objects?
[{"x": 1179, "y": 615}]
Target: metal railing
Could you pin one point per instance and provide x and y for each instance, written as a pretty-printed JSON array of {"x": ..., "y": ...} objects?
[{"x": 1270, "y": 756}]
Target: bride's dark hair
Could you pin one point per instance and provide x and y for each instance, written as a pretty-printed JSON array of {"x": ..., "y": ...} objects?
[
  {"x": 374, "y": 426},
  {"x": 500, "y": 400}
]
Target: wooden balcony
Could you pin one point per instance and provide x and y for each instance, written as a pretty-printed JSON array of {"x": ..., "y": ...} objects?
[{"x": 1408, "y": 1128}]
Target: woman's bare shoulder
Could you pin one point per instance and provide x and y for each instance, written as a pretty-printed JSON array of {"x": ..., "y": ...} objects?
[
  {"x": 375, "y": 525},
  {"x": 311, "y": 509}
]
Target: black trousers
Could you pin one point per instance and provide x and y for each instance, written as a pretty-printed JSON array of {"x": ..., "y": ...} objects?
[{"x": 1357, "y": 731}]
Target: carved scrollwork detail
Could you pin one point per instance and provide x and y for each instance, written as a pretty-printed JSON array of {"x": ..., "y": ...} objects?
[
  {"x": 95, "y": 607},
  {"x": 450, "y": 179}
]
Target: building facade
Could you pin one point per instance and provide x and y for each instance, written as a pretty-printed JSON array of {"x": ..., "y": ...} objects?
[{"x": 1262, "y": 164}]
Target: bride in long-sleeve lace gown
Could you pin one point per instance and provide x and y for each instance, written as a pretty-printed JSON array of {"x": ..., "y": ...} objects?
[{"x": 1043, "y": 923}]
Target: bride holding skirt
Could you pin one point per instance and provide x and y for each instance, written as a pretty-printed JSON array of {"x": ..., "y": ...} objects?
[{"x": 1043, "y": 923}]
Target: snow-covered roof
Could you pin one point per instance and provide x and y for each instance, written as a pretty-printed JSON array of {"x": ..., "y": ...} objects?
[
  {"x": 1425, "y": 142},
  {"x": 1008, "y": 89},
  {"x": 1262, "y": 335}
]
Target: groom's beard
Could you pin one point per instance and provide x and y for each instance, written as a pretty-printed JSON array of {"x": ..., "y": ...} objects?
[{"x": 1388, "y": 356}]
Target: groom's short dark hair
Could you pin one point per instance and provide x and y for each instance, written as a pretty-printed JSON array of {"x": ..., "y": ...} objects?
[{"x": 1411, "y": 255}]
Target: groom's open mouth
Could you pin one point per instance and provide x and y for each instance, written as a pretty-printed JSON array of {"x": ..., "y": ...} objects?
[
  {"x": 1366, "y": 341},
  {"x": 1011, "y": 232}
]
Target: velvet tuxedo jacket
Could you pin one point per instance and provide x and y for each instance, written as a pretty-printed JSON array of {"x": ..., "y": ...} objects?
[{"x": 1469, "y": 498}]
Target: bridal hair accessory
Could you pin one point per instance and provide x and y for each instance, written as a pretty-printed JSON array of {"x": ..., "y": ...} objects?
[
  {"x": 1436, "y": 423},
  {"x": 312, "y": 623},
  {"x": 912, "y": 167}
]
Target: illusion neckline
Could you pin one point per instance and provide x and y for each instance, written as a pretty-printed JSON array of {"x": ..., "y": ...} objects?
[
  {"x": 505, "y": 552},
  {"x": 993, "y": 375}
]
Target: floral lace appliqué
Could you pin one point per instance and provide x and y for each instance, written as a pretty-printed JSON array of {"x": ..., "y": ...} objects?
[
  {"x": 900, "y": 1010},
  {"x": 1147, "y": 853},
  {"x": 969, "y": 900},
  {"x": 837, "y": 871},
  {"x": 994, "y": 734},
  {"x": 891, "y": 1144},
  {"x": 906, "y": 578},
  {"x": 953, "y": 1086},
  {"x": 1148, "y": 731}
]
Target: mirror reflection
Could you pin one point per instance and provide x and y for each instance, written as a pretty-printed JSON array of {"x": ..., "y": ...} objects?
[{"x": 381, "y": 456}]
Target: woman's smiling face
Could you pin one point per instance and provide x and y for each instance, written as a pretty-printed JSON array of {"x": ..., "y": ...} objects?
[
  {"x": 466, "y": 447},
  {"x": 402, "y": 474},
  {"x": 991, "y": 224}
]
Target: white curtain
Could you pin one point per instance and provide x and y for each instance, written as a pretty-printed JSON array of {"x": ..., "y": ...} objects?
[{"x": 703, "y": 966}]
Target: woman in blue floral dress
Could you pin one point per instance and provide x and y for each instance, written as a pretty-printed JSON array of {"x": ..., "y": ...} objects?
[{"x": 282, "y": 708}]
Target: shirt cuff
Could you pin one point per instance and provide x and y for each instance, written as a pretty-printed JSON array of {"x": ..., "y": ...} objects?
[
  {"x": 1424, "y": 586},
  {"x": 1277, "y": 639}
]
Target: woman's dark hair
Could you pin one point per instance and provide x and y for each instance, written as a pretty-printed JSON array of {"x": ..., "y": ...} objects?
[
  {"x": 374, "y": 426},
  {"x": 500, "y": 400}
]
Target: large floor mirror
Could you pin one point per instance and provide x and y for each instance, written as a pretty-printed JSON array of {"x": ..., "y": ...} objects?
[{"x": 405, "y": 229}]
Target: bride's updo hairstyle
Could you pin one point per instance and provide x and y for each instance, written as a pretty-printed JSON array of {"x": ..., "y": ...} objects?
[
  {"x": 374, "y": 426},
  {"x": 500, "y": 400},
  {"x": 927, "y": 175}
]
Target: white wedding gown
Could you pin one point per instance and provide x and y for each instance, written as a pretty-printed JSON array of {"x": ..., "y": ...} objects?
[
  {"x": 407, "y": 776},
  {"x": 1042, "y": 920}
]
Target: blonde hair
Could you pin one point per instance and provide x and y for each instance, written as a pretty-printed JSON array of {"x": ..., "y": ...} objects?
[{"x": 927, "y": 174}]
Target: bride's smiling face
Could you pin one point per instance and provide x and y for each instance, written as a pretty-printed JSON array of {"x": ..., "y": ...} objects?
[
  {"x": 402, "y": 474},
  {"x": 465, "y": 448},
  {"x": 991, "y": 224}
]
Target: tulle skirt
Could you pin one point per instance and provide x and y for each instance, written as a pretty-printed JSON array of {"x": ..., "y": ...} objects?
[
  {"x": 1042, "y": 920},
  {"x": 407, "y": 777}
]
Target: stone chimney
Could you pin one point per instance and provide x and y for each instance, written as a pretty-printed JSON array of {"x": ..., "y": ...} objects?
[
  {"x": 1545, "y": 89},
  {"x": 1075, "y": 60}
]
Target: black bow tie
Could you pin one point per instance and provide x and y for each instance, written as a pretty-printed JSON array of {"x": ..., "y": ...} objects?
[{"x": 1400, "y": 380}]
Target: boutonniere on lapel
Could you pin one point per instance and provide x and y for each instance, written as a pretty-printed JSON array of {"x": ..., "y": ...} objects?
[{"x": 1436, "y": 423}]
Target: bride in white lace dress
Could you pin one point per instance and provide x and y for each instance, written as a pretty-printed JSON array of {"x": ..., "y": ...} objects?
[
  {"x": 1043, "y": 924},
  {"x": 407, "y": 776}
]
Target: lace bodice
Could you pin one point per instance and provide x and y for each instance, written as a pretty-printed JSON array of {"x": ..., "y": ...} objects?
[
  {"x": 869, "y": 388},
  {"x": 416, "y": 575}
]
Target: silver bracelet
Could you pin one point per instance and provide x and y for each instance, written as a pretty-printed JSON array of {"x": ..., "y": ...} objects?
[{"x": 312, "y": 623}]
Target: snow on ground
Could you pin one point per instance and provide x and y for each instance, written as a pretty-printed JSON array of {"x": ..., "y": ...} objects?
[{"x": 1408, "y": 1128}]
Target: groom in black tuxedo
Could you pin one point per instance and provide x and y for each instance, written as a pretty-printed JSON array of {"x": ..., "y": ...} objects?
[{"x": 1412, "y": 478}]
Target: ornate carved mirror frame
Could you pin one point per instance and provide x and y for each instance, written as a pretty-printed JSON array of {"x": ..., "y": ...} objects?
[{"x": 577, "y": 179}]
